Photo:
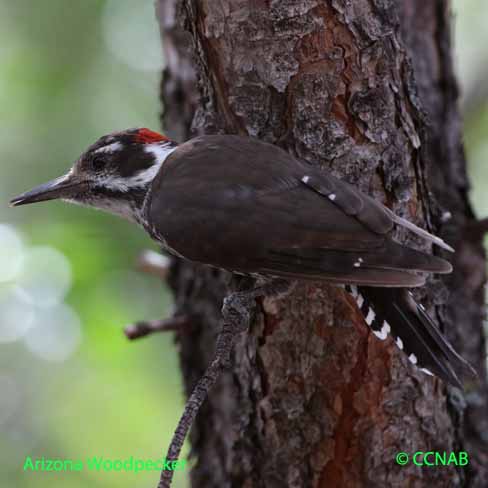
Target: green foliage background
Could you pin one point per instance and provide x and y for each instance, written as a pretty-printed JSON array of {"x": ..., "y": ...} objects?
[{"x": 61, "y": 87}]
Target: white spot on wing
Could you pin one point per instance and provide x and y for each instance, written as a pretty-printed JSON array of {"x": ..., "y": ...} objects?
[
  {"x": 412, "y": 358},
  {"x": 354, "y": 291},
  {"x": 306, "y": 179},
  {"x": 360, "y": 300},
  {"x": 383, "y": 333},
  {"x": 357, "y": 264},
  {"x": 399, "y": 343},
  {"x": 332, "y": 196},
  {"x": 446, "y": 216}
]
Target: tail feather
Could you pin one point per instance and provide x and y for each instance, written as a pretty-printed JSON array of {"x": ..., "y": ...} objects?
[
  {"x": 393, "y": 311},
  {"x": 447, "y": 349}
]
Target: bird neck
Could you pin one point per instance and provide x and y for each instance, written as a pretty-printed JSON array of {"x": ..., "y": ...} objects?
[{"x": 128, "y": 205}]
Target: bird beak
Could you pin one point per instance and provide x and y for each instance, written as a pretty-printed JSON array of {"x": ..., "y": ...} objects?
[{"x": 63, "y": 187}]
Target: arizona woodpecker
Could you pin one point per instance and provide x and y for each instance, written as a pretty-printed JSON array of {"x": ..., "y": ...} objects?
[
  {"x": 209, "y": 199},
  {"x": 251, "y": 208}
]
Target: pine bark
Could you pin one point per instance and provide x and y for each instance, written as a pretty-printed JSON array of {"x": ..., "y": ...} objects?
[{"x": 366, "y": 90}]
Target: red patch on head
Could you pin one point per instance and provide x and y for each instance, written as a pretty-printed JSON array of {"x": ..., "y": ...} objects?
[{"x": 146, "y": 136}]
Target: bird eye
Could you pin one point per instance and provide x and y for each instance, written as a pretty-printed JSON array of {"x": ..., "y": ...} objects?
[{"x": 98, "y": 163}]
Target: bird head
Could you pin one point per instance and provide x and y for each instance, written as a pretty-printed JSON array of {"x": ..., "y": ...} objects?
[{"x": 113, "y": 174}]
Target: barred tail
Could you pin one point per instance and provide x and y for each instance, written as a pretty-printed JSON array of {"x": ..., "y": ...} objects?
[{"x": 393, "y": 311}]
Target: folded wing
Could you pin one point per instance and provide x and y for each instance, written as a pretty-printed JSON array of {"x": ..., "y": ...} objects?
[{"x": 254, "y": 208}]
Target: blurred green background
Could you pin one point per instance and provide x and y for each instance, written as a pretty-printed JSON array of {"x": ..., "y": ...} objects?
[{"x": 71, "y": 385}]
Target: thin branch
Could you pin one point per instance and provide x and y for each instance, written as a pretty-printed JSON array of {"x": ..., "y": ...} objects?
[
  {"x": 236, "y": 316},
  {"x": 142, "y": 329}
]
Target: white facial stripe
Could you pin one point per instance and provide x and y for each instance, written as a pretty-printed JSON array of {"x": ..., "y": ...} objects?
[
  {"x": 141, "y": 179},
  {"x": 111, "y": 148},
  {"x": 160, "y": 151}
]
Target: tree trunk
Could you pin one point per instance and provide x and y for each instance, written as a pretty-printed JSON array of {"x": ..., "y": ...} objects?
[{"x": 364, "y": 89}]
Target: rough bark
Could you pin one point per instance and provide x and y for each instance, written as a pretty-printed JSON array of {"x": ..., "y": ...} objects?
[{"x": 364, "y": 89}]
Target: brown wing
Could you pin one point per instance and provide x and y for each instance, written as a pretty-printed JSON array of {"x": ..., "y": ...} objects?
[{"x": 248, "y": 206}]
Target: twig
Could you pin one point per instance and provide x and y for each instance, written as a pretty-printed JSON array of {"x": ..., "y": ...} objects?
[
  {"x": 236, "y": 316},
  {"x": 142, "y": 329}
]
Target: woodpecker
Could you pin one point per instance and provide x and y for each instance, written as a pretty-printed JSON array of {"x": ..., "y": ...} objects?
[{"x": 249, "y": 207}]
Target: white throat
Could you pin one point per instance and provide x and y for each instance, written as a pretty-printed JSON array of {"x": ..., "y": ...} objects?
[{"x": 120, "y": 208}]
